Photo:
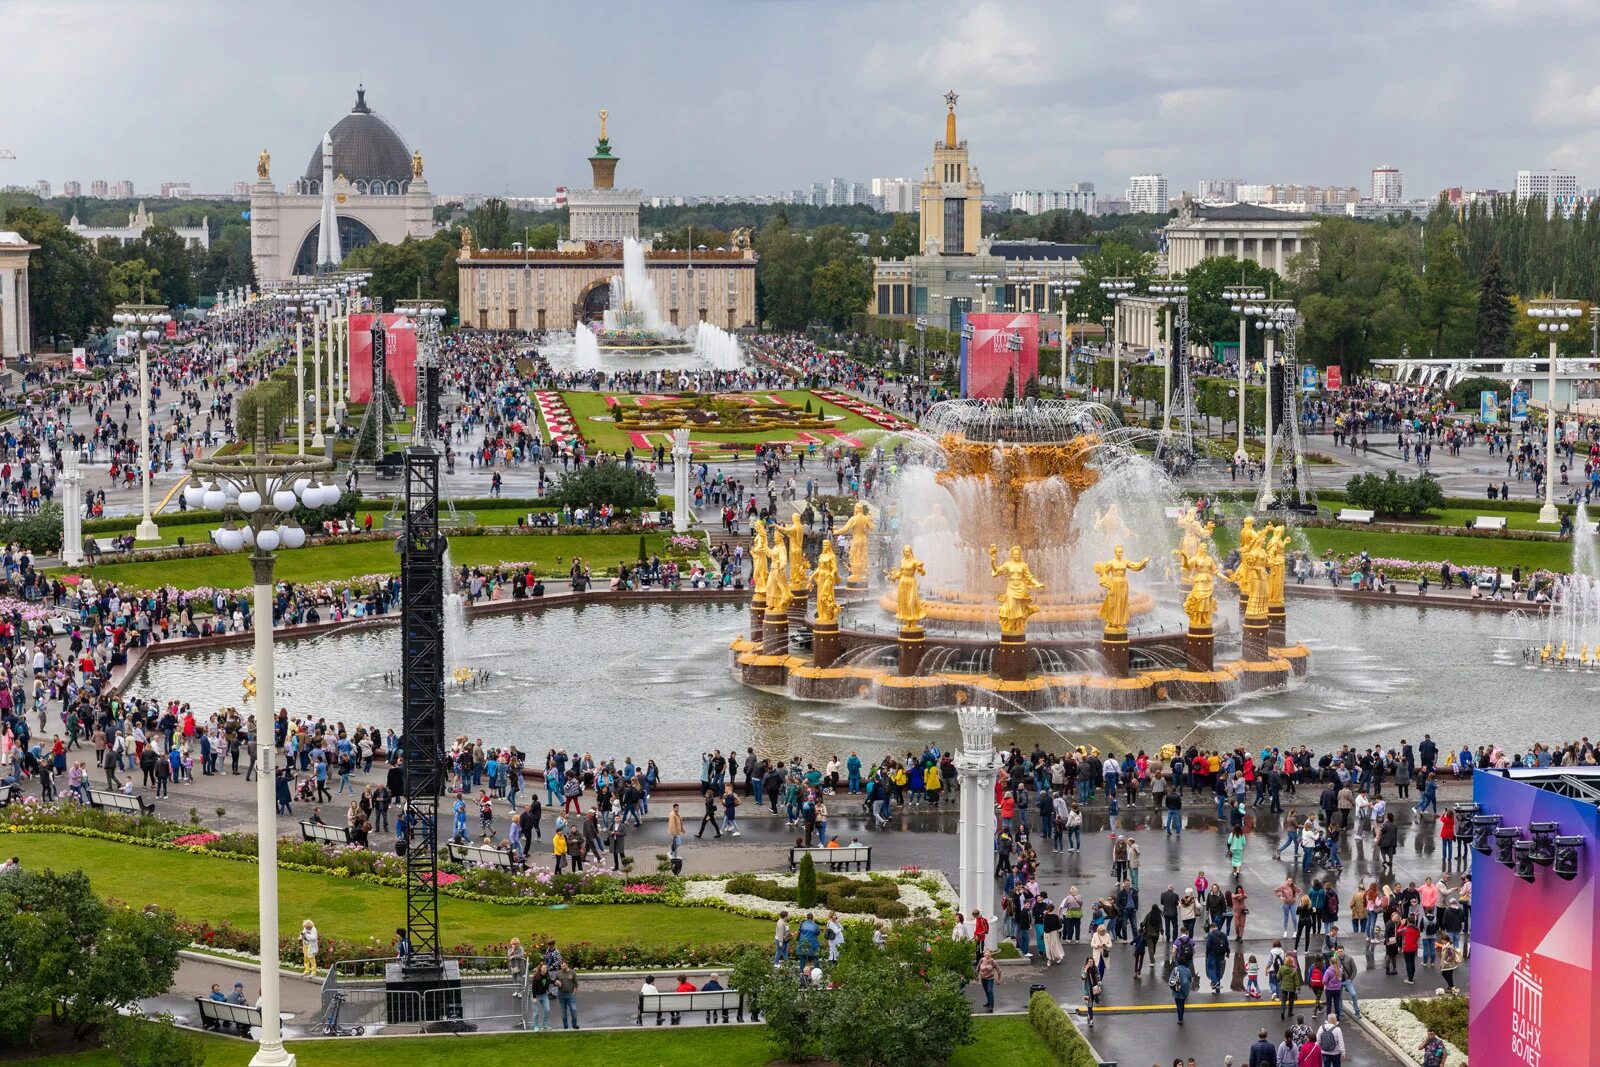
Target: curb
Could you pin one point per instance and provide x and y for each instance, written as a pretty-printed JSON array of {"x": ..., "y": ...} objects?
[{"x": 1385, "y": 1042}]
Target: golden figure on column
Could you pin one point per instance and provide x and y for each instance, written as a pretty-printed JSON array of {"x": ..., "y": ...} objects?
[
  {"x": 759, "y": 552},
  {"x": 908, "y": 602},
  {"x": 778, "y": 595},
  {"x": 795, "y": 531},
  {"x": 826, "y": 579},
  {"x": 1114, "y": 580},
  {"x": 1251, "y": 573},
  {"x": 1016, "y": 601},
  {"x": 857, "y": 528},
  {"x": 1277, "y": 544},
  {"x": 1201, "y": 600},
  {"x": 1195, "y": 534}
]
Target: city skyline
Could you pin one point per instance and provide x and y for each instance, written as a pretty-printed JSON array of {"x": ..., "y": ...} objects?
[{"x": 1046, "y": 99}]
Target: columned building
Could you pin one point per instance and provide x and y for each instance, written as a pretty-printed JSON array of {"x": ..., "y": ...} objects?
[
  {"x": 1263, "y": 235},
  {"x": 959, "y": 270},
  {"x": 379, "y": 195},
  {"x": 16, "y": 333},
  {"x": 138, "y": 222},
  {"x": 541, "y": 289}
]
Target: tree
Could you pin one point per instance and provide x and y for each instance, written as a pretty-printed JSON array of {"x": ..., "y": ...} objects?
[
  {"x": 491, "y": 224},
  {"x": 67, "y": 953},
  {"x": 606, "y": 483},
  {"x": 133, "y": 281},
  {"x": 805, "y": 889},
  {"x": 1010, "y": 390},
  {"x": 902, "y": 240},
  {"x": 1447, "y": 300},
  {"x": 68, "y": 292},
  {"x": 840, "y": 288},
  {"x": 1212, "y": 318},
  {"x": 888, "y": 1014},
  {"x": 1113, "y": 260},
  {"x": 1493, "y": 334},
  {"x": 1357, "y": 290}
]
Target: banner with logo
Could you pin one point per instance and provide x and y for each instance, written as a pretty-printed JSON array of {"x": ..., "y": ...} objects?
[
  {"x": 1335, "y": 379},
  {"x": 1489, "y": 406},
  {"x": 1001, "y": 342},
  {"x": 80, "y": 361},
  {"x": 1519, "y": 404}
]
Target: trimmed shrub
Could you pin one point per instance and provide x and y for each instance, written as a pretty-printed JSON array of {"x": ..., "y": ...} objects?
[
  {"x": 1055, "y": 1029},
  {"x": 805, "y": 893}
]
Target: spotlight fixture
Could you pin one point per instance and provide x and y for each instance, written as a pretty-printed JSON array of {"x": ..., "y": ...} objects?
[
  {"x": 1568, "y": 848},
  {"x": 1544, "y": 842},
  {"x": 1505, "y": 841},
  {"x": 1483, "y": 827},
  {"x": 1522, "y": 860}
]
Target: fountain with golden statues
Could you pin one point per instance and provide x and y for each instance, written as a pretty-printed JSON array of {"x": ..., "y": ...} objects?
[{"x": 1017, "y": 473}]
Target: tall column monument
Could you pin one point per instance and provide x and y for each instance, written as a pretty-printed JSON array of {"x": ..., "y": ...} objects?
[
  {"x": 680, "y": 480},
  {"x": 976, "y": 766}
]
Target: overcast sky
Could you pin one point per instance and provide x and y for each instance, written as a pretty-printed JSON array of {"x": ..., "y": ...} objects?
[{"x": 744, "y": 97}]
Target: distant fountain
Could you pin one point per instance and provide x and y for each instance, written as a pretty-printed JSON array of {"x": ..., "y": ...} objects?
[
  {"x": 455, "y": 619},
  {"x": 1574, "y": 619},
  {"x": 587, "y": 348},
  {"x": 718, "y": 347},
  {"x": 634, "y": 303}
]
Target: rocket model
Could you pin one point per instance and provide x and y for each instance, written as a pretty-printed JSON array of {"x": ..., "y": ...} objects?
[{"x": 328, "y": 232}]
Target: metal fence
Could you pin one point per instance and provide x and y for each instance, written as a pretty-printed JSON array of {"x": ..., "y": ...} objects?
[{"x": 488, "y": 993}]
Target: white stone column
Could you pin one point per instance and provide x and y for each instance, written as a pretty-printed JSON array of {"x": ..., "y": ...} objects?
[
  {"x": 680, "y": 480},
  {"x": 147, "y": 530},
  {"x": 976, "y": 767},
  {"x": 71, "y": 510}
]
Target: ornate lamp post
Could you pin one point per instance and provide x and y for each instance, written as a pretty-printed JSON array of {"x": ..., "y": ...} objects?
[
  {"x": 263, "y": 490},
  {"x": 147, "y": 323},
  {"x": 1272, "y": 317},
  {"x": 1115, "y": 289},
  {"x": 984, "y": 282},
  {"x": 1063, "y": 288},
  {"x": 1554, "y": 317},
  {"x": 1240, "y": 299},
  {"x": 1168, "y": 293}
]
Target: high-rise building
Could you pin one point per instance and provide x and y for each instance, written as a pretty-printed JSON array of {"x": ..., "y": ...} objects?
[
  {"x": 1080, "y": 197},
  {"x": 98, "y": 188},
  {"x": 123, "y": 190},
  {"x": 240, "y": 189},
  {"x": 1218, "y": 190},
  {"x": 897, "y": 195},
  {"x": 1386, "y": 184},
  {"x": 175, "y": 190},
  {"x": 41, "y": 189},
  {"x": 71, "y": 189},
  {"x": 1147, "y": 194},
  {"x": 951, "y": 194},
  {"x": 1558, "y": 189}
]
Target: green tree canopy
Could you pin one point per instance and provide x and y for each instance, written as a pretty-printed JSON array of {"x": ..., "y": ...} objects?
[
  {"x": 68, "y": 284},
  {"x": 1495, "y": 312},
  {"x": 1212, "y": 318}
]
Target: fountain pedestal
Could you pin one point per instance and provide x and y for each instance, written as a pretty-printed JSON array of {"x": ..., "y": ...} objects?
[
  {"x": 797, "y": 608},
  {"x": 1199, "y": 647},
  {"x": 824, "y": 643},
  {"x": 1277, "y": 626},
  {"x": 912, "y": 644},
  {"x": 1011, "y": 658},
  {"x": 758, "y": 608},
  {"x": 1257, "y": 638},
  {"x": 1114, "y": 652},
  {"x": 775, "y": 635}
]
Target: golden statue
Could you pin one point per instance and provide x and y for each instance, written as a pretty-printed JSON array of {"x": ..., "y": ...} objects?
[
  {"x": 1277, "y": 544},
  {"x": 264, "y": 165},
  {"x": 908, "y": 602},
  {"x": 1561, "y": 653},
  {"x": 1195, "y": 534},
  {"x": 858, "y": 527},
  {"x": 603, "y": 115},
  {"x": 466, "y": 239},
  {"x": 1251, "y": 575},
  {"x": 778, "y": 595},
  {"x": 1583, "y": 654},
  {"x": 1110, "y": 522},
  {"x": 1201, "y": 601},
  {"x": 759, "y": 551},
  {"x": 826, "y": 578},
  {"x": 1114, "y": 580},
  {"x": 249, "y": 685},
  {"x": 1016, "y": 605},
  {"x": 796, "y": 533},
  {"x": 1544, "y": 653},
  {"x": 416, "y": 165}
]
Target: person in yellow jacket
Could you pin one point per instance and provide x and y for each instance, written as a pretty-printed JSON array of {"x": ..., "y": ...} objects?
[
  {"x": 558, "y": 848},
  {"x": 931, "y": 782}
]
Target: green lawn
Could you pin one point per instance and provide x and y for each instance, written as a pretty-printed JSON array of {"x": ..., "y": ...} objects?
[
  {"x": 549, "y": 552},
  {"x": 605, "y": 435},
  {"x": 1005, "y": 1040},
  {"x": 201, "y": 887},
  {"x": 1463, "y": 551}
]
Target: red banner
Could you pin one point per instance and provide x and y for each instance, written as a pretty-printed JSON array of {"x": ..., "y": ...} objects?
[
  {"x": 400, "y": 356},
  {"x": 1334, "y": 382},
  {"x": 1001, "y": 343}
]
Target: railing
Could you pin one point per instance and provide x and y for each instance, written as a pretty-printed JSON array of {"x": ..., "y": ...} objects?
[{"x": 487, "y": 990}]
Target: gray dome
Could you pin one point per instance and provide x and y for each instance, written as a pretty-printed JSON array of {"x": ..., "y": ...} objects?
[{"x": 365, "y": 148}]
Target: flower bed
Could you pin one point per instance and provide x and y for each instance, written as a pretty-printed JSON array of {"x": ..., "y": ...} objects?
[
  {"x": 1394, "y": 1021},
  {"x": 873, "y": 414},
  {"x": 904, "y": 897},
  {"x": 560, "y": 427}
]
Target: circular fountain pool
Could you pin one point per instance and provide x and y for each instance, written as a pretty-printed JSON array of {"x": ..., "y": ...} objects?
[{"x": 652, "y": 681}]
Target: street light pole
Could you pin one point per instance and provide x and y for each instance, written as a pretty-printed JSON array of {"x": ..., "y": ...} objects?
[
  {"x": 1115, "y": 289},
  {"x": 145, "y": 323},
  {"x": 318, "y": 442},
  {"x": 1552, "y": 316},
  {"x": 1240, "y": 299}
]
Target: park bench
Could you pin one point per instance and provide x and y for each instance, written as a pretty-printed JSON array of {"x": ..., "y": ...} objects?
[
  {"x": 1489, "y": 522},
  {"x": 1355, "y": 515},
  {"x": 319, "y": 831},
  {"x": 483, "y": 856},
  {"x": 217, "y": 1014},
  {"x": 10, "y": 794},
  {"x": 133, "y": 805},
  {"x": 709, "y": 1001},
  {"x": 836, "y": 858}
]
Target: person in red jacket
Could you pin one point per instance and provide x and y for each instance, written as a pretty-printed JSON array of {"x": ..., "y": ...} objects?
[{"x": 1410, "y": 936}]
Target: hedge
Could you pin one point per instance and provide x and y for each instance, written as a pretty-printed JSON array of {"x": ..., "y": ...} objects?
[{"x": 1055, "y": 1029}]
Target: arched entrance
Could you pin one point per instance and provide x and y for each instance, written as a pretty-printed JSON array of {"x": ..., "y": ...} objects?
[
  {"x": 353, "y": 234},
  {"x": 595, "y": 301}
]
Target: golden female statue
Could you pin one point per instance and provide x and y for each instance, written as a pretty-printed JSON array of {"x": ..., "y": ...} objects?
[
  {"x": 1110, "y": 522},
  {"x": 1201, "y": 601},
  {"x": 908, "y": 602},
  {"x": 264, "y": 165},
  {"x": 416, "y": 165},
  {"x": 796, "y": 555},
  {"x": 826, "y": 578},
  {"x": 1277, "y": 544},
  {"x": 778, "y": 595},
  {"x": 858, "y": 527},
  {"x": 1114, "y": 580},
  {"x": 466, "y": 239},
  {"x": 1195, "y": 534},
  {"x": 759, "y": 551},
  {"x": 1016, "y": 603},
  {"x": 249, "y": 684},
  {"x": 1251, "y": 574}
]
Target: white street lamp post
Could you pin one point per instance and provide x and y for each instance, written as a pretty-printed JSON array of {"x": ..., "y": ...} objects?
[
  {"x": 145, "y": 323},
  {"x": 1064, "y": 288},
  {"x": 1168, "y": 293},
  {"x": 1240, "y": 305},
  {"x": 264, "y": 489},
  {"x": 1554, "y": 319},
  {"x": 318, "y": 442},
  {"x": 1273, "y": 316}
]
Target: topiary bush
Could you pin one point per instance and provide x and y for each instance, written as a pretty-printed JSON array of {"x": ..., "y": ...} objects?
[
  {"x": 805, "y": 893},
  {"x": 1055, "y": 1029}
]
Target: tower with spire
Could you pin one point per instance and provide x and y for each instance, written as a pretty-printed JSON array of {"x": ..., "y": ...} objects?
[
  {"x": 951, "y": 195},
  {"x": 602, "y": 214}
]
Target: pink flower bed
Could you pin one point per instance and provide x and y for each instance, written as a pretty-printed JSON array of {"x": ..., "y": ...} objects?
[
  {"x": 445, "y": 878},
  {"x": 870, "y": 412},
  {"x": 195, "y": 840},
  {"x": 641, "y": 888}
]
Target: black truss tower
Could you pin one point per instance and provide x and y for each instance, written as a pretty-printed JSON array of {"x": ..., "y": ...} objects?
[{"x": 422, "y": 664}]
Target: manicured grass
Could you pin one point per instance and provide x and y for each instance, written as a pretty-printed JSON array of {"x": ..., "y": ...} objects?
[
  {"x": 1463, "y": 551},
  {"x": 550, "y": 553},
  {"x": 203, "y": 887},
  {"x": 1007, "y": 1039},
  {"x": 605, "y": 435}
]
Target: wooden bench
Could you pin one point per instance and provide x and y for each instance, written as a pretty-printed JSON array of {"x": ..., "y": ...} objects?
[
  {"x": 320, "y": 831},
  {"x": 835, "y": 858},
  {"x": 1489, "y": 522},
  {"x": 709, "y": 1001},
  {"x": 133, "y": 805},
  {"x": 215, "y": 1014},
  {"x": 483, "y": 856},
  {"x": 1356, "y": 515}
]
